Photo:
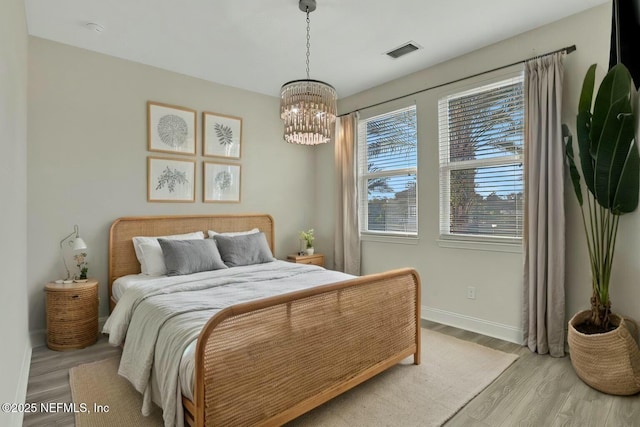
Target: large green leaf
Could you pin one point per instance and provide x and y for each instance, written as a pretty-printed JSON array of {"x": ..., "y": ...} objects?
[
  {"x": 612, "y": 136},
  {"x": 583, "y": 127},
  {"x": 573, "y": 170},
  {"x": 615, "y": 86},
  {"x": 625, "y": 197},
  {"x": 586, "y": 94}
]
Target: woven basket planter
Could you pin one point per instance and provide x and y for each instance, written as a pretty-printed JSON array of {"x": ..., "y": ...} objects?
[{"x": 608, "y": 362}]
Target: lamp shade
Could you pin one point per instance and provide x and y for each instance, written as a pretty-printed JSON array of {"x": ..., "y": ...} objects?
[{"x": 79, "y": 244}]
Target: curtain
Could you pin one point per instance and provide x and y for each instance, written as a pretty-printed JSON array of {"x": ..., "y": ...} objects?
[
  {"x": 544, "y": 231},
  {"x": 346, "y": 253}
]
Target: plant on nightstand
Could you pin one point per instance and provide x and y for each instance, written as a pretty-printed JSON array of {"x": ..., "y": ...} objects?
[
  {"x": 307, "y": 236},
  {"x": 83, "y": 265}
]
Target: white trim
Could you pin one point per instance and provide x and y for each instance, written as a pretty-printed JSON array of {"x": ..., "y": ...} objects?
[
  {"x": 477, "y": 245},
  {"x": 473, "y": 324},
  {"x": 39, "y": 337},
  {"x": 389, "y": 238},
  {"x": 16, "y": 418}
]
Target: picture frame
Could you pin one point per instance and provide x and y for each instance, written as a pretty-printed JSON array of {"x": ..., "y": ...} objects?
[
  {"x": 221, "y": 135},
  {"x": 221, "y": 182},
  {"x": 171, "y": 129},
  {"x": 170, "y": 179}
]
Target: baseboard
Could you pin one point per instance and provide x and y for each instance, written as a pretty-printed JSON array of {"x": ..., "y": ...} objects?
[
  {"x": 16, "y": 418},
  {"x": 39, "y": 337},
  {"x": 473, "y": 324}
]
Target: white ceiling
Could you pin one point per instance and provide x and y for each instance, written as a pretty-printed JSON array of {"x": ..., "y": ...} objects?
[{"x": 259, "y": 45}]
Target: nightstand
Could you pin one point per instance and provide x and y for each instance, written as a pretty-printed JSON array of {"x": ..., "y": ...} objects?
[
  {"x": 72, "y": 314},
  {"x": 315, "y": 259}
]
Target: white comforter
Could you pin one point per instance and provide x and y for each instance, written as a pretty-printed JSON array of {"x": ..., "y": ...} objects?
[{"x": 160, "y": 318}]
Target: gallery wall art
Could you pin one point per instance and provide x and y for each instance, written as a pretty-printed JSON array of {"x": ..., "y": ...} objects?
[
  {"x": 171, "y": 129},
  {"x": 221, "y": 182},
  {"x": 170, "y": 179},
  {"x": 221, "y": 135}
]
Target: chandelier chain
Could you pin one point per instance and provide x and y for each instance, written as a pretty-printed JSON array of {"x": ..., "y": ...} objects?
[{"x": 308, "y": 42}]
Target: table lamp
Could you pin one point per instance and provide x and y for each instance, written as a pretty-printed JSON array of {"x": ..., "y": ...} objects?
[{"x": 76, "y": 243}]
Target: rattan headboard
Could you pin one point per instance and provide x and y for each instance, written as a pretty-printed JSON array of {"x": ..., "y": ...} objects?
[{"x": 122, "y": 257}]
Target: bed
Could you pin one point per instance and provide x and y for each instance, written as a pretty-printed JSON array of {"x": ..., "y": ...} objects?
[{"x": 268, "y": 361}]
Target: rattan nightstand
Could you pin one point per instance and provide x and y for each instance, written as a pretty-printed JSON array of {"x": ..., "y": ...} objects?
[
  {"x": 72, "y": 314},
  {"x": 315, "y": 259}
]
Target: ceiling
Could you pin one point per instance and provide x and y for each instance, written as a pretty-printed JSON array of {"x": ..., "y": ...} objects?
[{"x": 259, "y": 45}]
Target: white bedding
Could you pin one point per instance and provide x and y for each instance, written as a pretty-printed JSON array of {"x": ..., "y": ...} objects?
[
  {"x": 161, "y": 318},
  {"x": 121, "y": 284}
]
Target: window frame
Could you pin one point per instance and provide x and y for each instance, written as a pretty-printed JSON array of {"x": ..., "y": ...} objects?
[
  {"x": 363, "y": 176},
  {"x": 445, "y": 166}
]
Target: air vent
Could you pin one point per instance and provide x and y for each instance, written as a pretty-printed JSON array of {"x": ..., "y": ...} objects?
[{"x": 403, "y": 50}]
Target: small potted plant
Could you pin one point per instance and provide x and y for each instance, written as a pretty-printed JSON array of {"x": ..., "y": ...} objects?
[
  {"x": 82, "y": 265},
  {"x": 307, "y": 236}
]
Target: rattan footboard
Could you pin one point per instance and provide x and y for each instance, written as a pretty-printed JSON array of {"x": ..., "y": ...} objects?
[{"x": 269, "y": 361}]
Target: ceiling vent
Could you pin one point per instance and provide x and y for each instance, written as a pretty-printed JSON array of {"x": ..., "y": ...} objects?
[{"x": 403, "y": 50}]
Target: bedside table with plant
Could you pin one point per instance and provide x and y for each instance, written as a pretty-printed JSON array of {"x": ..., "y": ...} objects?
[
  {"x": 307, "y": 253},
  {"x": 72, "y": 303}
]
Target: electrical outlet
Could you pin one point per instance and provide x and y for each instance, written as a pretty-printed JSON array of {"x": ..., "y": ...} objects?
[{"x": 471, "y": 292}]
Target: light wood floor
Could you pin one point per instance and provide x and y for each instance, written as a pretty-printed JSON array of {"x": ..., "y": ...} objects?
[{"x": 534, "y": 391}]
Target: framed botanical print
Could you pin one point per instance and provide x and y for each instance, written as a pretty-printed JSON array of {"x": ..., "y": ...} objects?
[
  {"x": 170, "y": 180},
  {"x": 171, "y": 129},
  {"x": 221, "y": 182},
  {"x": 221, "y": 135}
]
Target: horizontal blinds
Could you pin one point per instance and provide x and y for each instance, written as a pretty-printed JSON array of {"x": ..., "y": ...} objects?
[
  {"x": 486, "y": 201},
  {"x": 390, "y": 141},
  {"x": 481, "y": 147},
  {"x": 387, "y": 164},
  {"x": 395, "y": 214}
]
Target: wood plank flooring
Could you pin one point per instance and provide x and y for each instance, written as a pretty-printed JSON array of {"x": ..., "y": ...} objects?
[
  {"x": 534, "y": 391},
  {"x": 49, "y": 379}
]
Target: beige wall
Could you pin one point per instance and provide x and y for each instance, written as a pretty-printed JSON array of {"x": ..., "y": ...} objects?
[
  {"x": 14, "y": 333},
  {"x": 87, "y": 157},
  {"x": 446, "y": 273}
]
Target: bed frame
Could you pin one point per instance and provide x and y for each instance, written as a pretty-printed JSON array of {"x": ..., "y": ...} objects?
[{"x": 269, "y": 361}]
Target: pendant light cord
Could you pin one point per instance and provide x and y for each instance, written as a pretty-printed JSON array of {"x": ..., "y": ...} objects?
[{"x": 308, "y": 42}]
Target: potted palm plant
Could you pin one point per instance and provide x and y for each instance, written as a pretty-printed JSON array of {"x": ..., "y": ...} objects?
[{"x": 602, "y": 351}]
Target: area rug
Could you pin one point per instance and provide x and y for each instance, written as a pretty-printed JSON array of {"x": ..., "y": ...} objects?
[
  {"x": 452, "y": 372},
  {"x": 110, "y": 399}
]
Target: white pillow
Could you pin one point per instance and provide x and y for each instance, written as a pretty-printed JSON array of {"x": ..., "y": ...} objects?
[
  {"x": 149, "y": 252},
  {"x": 231, "y": 234}
]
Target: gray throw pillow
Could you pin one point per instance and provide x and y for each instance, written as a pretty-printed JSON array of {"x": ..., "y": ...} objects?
[
  {"x": 190, "y": 256},
  {"x": 246, "y": 249}
]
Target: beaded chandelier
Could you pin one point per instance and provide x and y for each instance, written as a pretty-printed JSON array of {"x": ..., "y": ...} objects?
[{"x": 308, "y": 107}]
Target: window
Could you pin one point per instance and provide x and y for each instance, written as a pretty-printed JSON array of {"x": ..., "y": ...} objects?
[
  {"x": 387, "y": 173},
  {"x": 481, "y": 155}
]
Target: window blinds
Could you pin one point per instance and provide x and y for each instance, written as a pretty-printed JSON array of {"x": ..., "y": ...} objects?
[
  {"x": 387, "y": 170},
  {"x": 481, "y": 154}
]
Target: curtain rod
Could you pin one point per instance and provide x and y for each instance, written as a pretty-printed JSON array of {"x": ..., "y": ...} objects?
[{"x": 567, "y": 50}]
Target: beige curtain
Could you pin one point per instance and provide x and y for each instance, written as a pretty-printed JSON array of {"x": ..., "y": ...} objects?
[
  {"x": 544, "y": 244},
  {"x": 346, "y": 253}
]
